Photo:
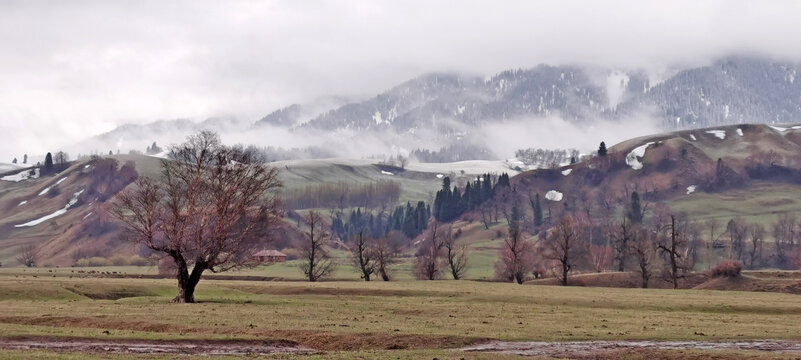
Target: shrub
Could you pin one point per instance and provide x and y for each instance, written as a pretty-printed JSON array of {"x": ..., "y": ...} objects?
[
  {"x": 727, "y": 268},
  {"x": 291, "y": 253},
  {"x": 134, "y": 260},
  {"x": 92, "y": 261}
]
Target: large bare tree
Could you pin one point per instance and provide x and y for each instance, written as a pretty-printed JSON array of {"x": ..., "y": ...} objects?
[
  {"x": 516, "y": 256},
  {"x": 455, "y": 253},
  {"x": 672, "y": 241},
  {"x": 362, "y": 252},
  {"x": 428, "y": 258},
  {"x": 208, "y": 208},
  {"x": 387, "y": 250},
  {"x": 314, "y": 248},
  {"x": 27, "y": 256},
  {"x": 566, "y": 244}
]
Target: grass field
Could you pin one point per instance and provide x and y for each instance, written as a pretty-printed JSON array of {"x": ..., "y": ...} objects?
[{"x": 412, "y": 319}]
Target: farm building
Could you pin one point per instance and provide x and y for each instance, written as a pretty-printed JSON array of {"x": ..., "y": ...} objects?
[{"x": 270, "y": 256}]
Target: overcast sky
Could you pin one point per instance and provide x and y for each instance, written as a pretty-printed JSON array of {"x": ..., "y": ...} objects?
[{"x": 71, "y": 69}]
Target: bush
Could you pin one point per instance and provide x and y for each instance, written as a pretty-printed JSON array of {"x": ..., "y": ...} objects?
[
  {"x": 92, "y": 261},
  {"x": 727, "y": 268},
  {"x": 291, "y": 254},
  {"x": 134, "y": 260}
]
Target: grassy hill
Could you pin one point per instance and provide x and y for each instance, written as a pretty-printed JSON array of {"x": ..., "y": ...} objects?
[{"x": 63, "y": 234}]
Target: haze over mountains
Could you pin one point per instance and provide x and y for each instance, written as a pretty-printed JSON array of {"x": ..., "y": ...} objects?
[{"x": 536, "y": 107}]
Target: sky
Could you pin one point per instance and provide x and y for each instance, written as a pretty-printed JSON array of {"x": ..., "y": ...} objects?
[{"x": 70, "y": 70}]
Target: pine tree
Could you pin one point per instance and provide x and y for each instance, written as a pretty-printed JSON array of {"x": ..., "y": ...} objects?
[
  {"x": 25, "y": 159},
  {"x": 602, "y": 149},
  {"x": 48, "y": 165},
  {"x": 635, "y": 211},
  {"x": 537, "y": 211},
  {"x": 14, "y": 161}
]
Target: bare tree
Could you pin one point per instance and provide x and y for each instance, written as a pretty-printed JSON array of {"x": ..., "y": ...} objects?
[
  {"x": 516, "y": 258},
  {"x": 455, "y": 253},
  {"x": 387, "y": 250},
  {"x": 427, "y": 262},
  {"x": 711, "y": 225},
  {"x": 564, "y": 245},
  {"x": 756, "y": 232},
  {"x": 27, "y": 256},
  {"x": 362, "y": 253},
  {"x": 784, "y": 235},
  {"x": 316, "y": 259},
  {"x": 206, "y": 211},
  {"x": 644, "y": 253},
  {"x": 737, "y": 229},
  {"x": 671, "y": 241},
  {"x": 621, "y": 235}
]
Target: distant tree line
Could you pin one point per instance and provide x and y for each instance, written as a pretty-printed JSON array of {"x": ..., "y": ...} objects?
[
  {"x": 452, "y": 153},
  {"x": 372, "y": 195},
  {"x": 451, "y": 203},
  {"x": 409, "y": 220},
  {"x": 547, "y": 158}
]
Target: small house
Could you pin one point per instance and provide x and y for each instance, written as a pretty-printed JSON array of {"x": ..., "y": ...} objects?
[{"x": 269, "y": 256}]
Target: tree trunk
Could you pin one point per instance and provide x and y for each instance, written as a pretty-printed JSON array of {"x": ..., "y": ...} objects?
[
  {"x": 565, "y": 270},
  {"x": 384, "y": 275},
  {"x": 187, "y": 282}
]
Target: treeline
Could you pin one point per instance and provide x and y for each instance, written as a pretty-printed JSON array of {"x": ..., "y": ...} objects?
[
  {"x": 452, "y": 153},
  {"x": 451, "y": 203},
  {"x": 379, "y": 194},
  {"x": 546, "y": 158},
  {"x": 408, "y": 219}
]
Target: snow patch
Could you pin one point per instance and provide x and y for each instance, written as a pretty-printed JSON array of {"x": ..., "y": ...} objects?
[
  {"x": 632, "y": 159},
  {"x": 22, "y": 175},
  {"x": 739, "y": 131},
  {"x": 57, "y": 213},
  {"x": 86, "y": 216},
  {"x": 87, "y": 166},
  {"x": 554, "y": 195},
  {"x": 690, "y": 189},
  {"x": 567, "y": 172},
  {"x": 782, "y": 129},
  {"x": 51, "y": 186},
  {"x": 616, "y": 85},
  {"x": 721, "y": 134},
  {"x": 386, "y": 172},
  {"x": 22, "y": 203},
  {"x": 693, "y": 137}
]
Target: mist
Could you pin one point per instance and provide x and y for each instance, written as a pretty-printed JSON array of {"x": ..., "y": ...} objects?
[{"x": 71, "y": 70}]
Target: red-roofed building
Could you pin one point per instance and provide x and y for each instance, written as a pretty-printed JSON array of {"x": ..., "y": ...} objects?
[{"x": 270, "y": 256}]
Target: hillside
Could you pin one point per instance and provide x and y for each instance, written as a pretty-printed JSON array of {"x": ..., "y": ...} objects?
[
  {"x": 65, "y": 215},
  {"x": 757, "y": 164}
]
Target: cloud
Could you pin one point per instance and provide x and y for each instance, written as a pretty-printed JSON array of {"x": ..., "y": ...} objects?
[
  {"x": 73, "y": 69},
  {"x": 556, "y": 133}
]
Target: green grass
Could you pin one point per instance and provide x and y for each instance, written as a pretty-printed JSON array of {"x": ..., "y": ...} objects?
[{"x": 761, "y": 203}]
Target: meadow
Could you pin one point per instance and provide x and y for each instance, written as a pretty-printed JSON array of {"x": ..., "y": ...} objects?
[{"x": 401, "y": 319}]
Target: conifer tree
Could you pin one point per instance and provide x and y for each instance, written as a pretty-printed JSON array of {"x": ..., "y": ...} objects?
[
  {"x": 48, "y": 165},
  {"x": 635, "y": 209},
  {"x": 537, "y": 211},
  {"x": 602, "y": 149}
]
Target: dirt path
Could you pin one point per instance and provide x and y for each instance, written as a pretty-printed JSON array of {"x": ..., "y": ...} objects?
[
  {"x": 190, "y": 347},
  {"x": 589, "y": 348}
]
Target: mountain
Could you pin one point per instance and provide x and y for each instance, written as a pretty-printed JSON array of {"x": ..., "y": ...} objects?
[{"x": 439, "y": 110}]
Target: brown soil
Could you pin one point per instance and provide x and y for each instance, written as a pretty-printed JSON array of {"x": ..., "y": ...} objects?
[
  {"x": 297, "y": 290},
  {"x": 636, "y": 349},
  {"x": 747, "y": 283},
  {"x": 311, "y": 339},
  {"x": 125, "y": 346},
  {"x": 623, "y": 280}
]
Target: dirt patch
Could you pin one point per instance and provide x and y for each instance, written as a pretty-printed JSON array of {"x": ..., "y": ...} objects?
[
  {"x": 623, "y": 280},
  {"x": 300, "y": 290},
  {"x": 593, "y": 349},
  {"x": 191, "y": 347},
  {"x": 778, "y": 202},
  {"x": 747, "y": 283},
  {"x": 319, "y": 340}
]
